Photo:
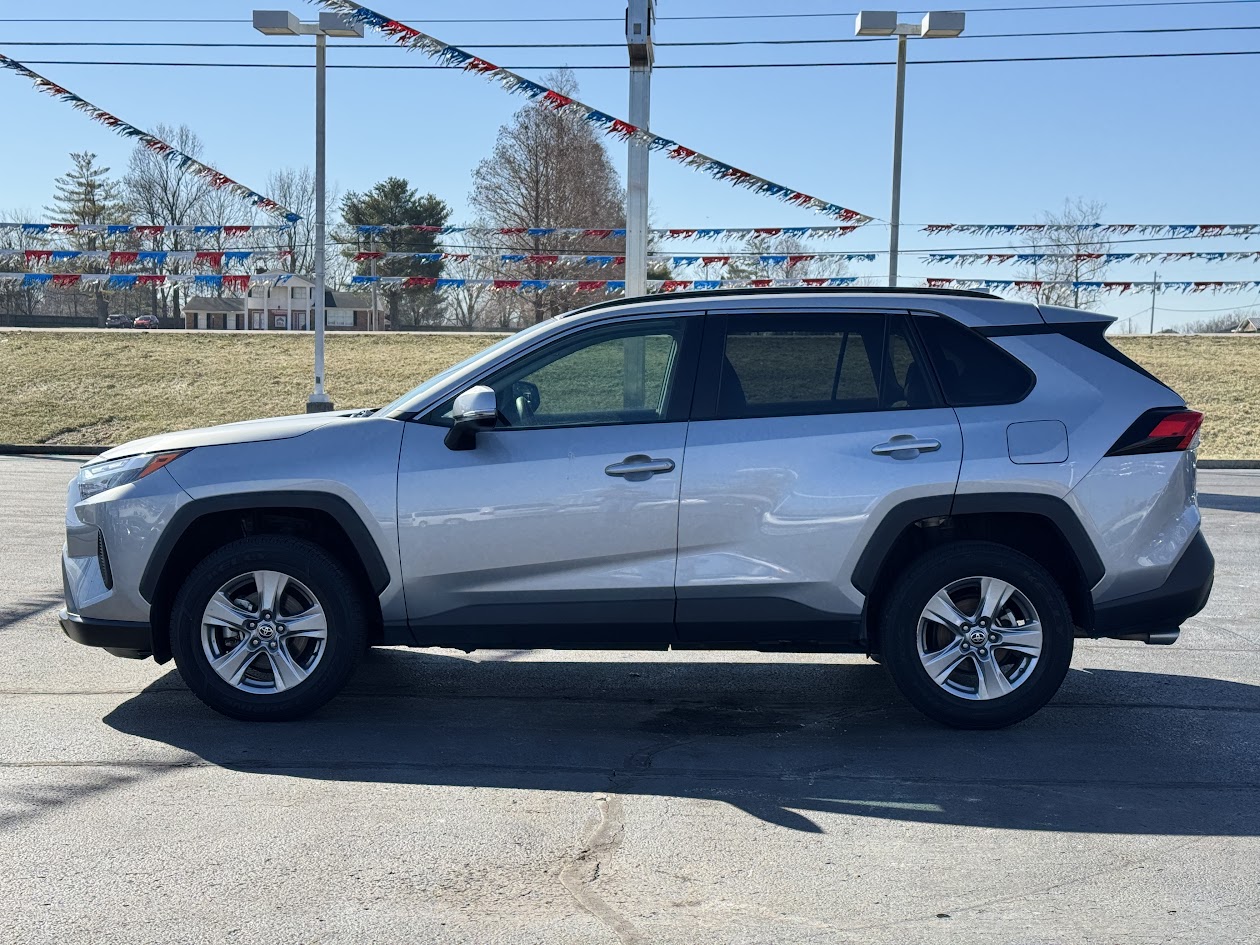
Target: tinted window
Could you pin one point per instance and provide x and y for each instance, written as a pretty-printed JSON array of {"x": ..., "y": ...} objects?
[
  {"x": 796, "y": 365},
  {"x": 972, "y": 370}
]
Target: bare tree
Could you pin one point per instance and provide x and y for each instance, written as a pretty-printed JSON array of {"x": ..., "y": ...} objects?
[
  {"x": 162, "y": 193},
  {"x": 549, "y": 169},
  {"x": 792, "y": 267},
  {"x": 15, "y": 298},
  {"x": 1064, "y": 237},
  {"x": 1215, "y": 324}
]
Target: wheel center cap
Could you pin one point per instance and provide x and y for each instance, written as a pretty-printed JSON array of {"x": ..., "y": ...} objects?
[
  {"x": 977, "y": 637},
  {"x": 266, "y": 630}
]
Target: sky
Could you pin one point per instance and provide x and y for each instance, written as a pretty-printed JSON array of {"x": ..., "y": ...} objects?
[{"x": 1155, "y": 140}]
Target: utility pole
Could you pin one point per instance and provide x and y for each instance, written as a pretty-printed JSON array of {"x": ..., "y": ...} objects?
[
  {"x": 640, "y": 15},
  {"x": 1154, "y": 289},
  {"x": 372, "y": 266}
]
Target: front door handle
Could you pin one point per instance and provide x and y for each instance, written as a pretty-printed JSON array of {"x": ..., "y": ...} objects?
[
  {"x": 639, "y": 467},
  {"x": 905, "y": 446}
]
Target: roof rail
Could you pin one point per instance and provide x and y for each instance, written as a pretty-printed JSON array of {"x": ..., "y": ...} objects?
[{"x": 785, "y": 290}]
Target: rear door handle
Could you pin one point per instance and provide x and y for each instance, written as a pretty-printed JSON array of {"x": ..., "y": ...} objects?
[
  {"x": 639, "y": 467},
  {"x": 905, "y": 446}
]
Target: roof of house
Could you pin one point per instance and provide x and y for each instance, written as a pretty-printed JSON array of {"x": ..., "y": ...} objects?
[
  {"x": 1249, "y": 324},
  {"x": 214, "y": 304},
  {"x": 347, "y": 300}
]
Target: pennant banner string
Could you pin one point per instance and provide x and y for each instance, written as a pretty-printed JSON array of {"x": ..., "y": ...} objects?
[
  {"x": 1100, "y": 229},
  {"x": 1032, "y": 259},
  {"x": 412, "y": 38},
  {"x": 168, "y": 152},
  {"x": 243, "y": 282}
]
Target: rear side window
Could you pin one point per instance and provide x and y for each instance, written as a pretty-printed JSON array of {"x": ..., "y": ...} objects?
[
  {"x": 972, "y": 370},
  {"x": 786, "y": 365}
]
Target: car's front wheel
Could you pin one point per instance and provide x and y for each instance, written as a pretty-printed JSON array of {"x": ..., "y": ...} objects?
[
  {"x": 977, "y": 635},
  {"x": 267, "y": 628}
]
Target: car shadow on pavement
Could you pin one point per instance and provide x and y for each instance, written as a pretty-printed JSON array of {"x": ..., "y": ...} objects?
[
  {"x": 1229, "y": 503},
  {"x": 1119, "y": 752}
]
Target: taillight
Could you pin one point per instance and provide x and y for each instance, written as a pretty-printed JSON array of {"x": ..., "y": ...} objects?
[{"x": 1162, "y": 430}]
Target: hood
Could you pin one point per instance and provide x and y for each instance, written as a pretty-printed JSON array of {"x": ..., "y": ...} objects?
[{"x": 248, "y": 431}]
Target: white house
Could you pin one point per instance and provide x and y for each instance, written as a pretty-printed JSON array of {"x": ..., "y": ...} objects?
[{"x": 282, "y": 306}]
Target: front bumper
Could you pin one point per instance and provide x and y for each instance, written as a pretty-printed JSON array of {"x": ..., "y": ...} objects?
[
  {"x": 1164, "y": 609},
  {"x": 120, "y": 637}
]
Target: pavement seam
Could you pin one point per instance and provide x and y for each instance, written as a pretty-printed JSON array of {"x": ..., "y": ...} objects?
[{"x": 581, "y": 869}]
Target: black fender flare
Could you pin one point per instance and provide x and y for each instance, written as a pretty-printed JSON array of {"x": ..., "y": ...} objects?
[
  {"x": 338, "y": 508},
  {"x": 1049, "y": 507}
]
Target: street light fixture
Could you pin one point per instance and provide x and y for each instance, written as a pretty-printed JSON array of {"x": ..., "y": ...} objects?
[
  {"x": 935, "y": 25},
  {"x": 284, "y": 23}
]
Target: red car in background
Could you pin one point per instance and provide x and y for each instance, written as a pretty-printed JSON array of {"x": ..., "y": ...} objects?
[{"x": 146, "y": 321}]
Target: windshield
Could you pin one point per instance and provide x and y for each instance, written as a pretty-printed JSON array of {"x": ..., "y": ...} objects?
[{"x": 437, "y": 380}]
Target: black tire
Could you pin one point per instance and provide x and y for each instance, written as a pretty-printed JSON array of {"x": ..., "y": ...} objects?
[
  {"x": 323, "y": 575},
  {"x": 938, "y": 569}
]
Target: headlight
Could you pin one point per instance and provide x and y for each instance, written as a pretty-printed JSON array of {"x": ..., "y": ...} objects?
[{"x": 97, "y": 477}]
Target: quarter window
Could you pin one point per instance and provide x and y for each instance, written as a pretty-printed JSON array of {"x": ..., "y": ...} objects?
[{"x": 973, "y": 371}]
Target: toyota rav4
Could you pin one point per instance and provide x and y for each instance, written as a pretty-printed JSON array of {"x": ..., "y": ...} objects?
[{"x": 956, "y": 485}]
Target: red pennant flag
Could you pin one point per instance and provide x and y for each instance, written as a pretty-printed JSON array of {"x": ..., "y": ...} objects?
[
  {"x": 507, "y": 283},
  {"x": 63, "y": 280},
  {"x": 479, "y": 65},
  {"x": 682, "y": 234},
  {"x": 547, "y": 260},
  {"x": 681, "y": 154},
  {"x": 675, "y": 285},
  {"x": 209, "y": 258},
  {"x": 63, "y": 227},
  {"x": 235, "y": 230},
  {"x": 623, "y": 128},
  {"x": 361, "y": 257},
  {"x": 597, "y": 234},
  {"x": 123, "y": 258},
  {"x": 150, "y": 231},
  {"x": 420, "y": 282},
  {"x": 556, "y": 100},
  {"x": 760, "y": 283},
  {"x": 797, "y": 260},
  {"x": 709, "y": 260},
  {"x": 768, "y": 231},
  {"x": 590, "y": 286},
  {"x": 150, "y": 280},
  {"x": 239, "y": 283},
  {"x": 37, "y": 256},
  {"x": 814, "y": 281}
]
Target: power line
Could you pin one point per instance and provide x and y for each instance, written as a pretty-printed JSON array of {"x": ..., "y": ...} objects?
[
  {"x": 698, "y": 65},
  {"x": 688, "y": 44},
  {"x": 614, "y": 19}
]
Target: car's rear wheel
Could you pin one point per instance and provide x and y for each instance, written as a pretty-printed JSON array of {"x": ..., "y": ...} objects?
[
  {"x": 977, "y": 635},
  {"x": 267, "y": 628}
]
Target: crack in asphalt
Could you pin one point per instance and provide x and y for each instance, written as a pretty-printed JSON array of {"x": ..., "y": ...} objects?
[{"x": 582, "y": 868}]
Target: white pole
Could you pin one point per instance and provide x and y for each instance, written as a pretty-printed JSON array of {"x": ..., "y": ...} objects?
[
  {"x": 637, "y": 183},
  {"x": 1154, "y": 290},
  {"x": 319, "y": 401},
  {"x": 894, "y": 218}
]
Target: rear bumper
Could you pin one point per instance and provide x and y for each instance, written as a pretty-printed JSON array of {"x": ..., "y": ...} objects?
[
  {"x": 120, "y": 637},
  {"x": 1164, "y": 609}
]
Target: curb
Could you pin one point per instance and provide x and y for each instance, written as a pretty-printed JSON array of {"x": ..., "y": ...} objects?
[
  {"x": 52, "y": 449},
  {"x": 49, "y": 449}
]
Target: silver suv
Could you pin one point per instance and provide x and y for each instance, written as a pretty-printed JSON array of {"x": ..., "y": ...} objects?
[{"x": 954, "y": 484}]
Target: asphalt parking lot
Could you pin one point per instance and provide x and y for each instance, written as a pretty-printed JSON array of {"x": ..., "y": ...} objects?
[{"x": 541, "y": 797}]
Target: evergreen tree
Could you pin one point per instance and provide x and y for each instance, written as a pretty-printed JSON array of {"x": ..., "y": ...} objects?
[
  {"x": 394, "y": 202},
  {"x": 87, "y": 194}
]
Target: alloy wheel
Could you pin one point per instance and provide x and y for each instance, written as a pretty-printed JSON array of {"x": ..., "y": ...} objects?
[
  {"x": 979, "y": 638},
  {"x": 264, "y": 632}
]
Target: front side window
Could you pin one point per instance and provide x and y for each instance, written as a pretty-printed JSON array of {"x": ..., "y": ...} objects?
[
  {"x": 797, "y": 365},
  {"x": 604, "y": 376}
]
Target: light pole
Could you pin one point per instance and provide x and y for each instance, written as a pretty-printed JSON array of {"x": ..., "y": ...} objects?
[
  {"x": 640, "y": 14},
  {"x": 884, "y": 23},
  {"x": 283, "y": 23}
]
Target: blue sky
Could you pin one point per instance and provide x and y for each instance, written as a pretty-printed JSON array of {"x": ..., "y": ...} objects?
[{"x": 1156, "y": 140}]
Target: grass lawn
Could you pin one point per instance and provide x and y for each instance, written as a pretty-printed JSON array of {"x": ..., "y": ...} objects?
[{"x": 112, "y": 386}]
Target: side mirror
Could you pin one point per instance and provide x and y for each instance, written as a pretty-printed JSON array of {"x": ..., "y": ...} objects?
[{"x": 475, "y": 409}]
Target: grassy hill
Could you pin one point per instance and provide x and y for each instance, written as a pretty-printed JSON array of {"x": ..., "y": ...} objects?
[{"x": 112, "y": 386}]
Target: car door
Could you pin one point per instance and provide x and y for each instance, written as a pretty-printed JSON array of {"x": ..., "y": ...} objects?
[
  {"x": 808, "y": 428},
  {"x": 560, "y": 527}
]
